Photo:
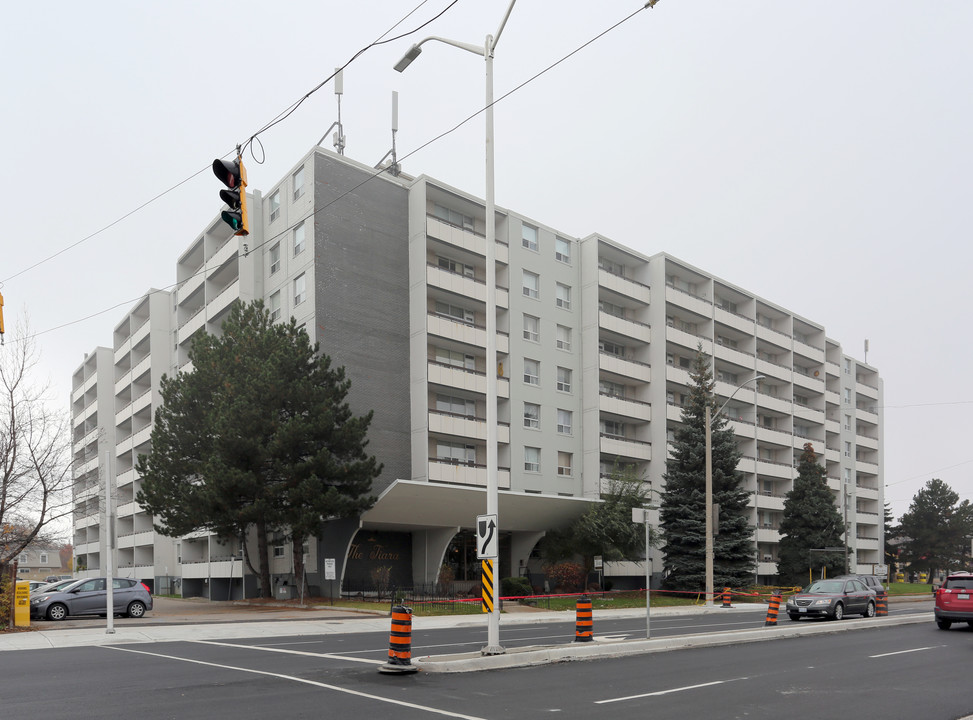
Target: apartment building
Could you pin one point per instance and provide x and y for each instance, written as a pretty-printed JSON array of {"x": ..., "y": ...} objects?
[{"x": 387, "y": 272}]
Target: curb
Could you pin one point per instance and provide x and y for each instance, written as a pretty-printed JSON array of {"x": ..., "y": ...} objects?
[{"x": 544, "y": 655}]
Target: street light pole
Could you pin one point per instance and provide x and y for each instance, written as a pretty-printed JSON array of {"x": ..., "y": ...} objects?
[
  {"x": 709, "y": 485},
  {"x": 493, "y": 486}
]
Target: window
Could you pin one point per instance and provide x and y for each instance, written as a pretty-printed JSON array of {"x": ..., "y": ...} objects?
[
  {"x": 610, "y": 348},
  {"x": 563, "y": 299},
  {"x": 278, "y": 551},
  {"x": 42, "y": 559},
  {"x": 299, "y": 239},
  {"x": 611, "y": 267},
  {"x": 801, "y": 400},
  {"x": 613, "y": 428},
  {"x": 532, "y": 284},
  {"x": 564, "y": 379},
  {"x": 847, "y": 449},
  {"x": 275, "y": 307},
  {"x": 611, "y": 308},
  {"x": 456, "y": 405},
  {"x": 532, "y": 459},
  {"x": 802, "y": 430},
  {"x": 847, "y": 422},
  {"x": 458, "y": 268},
  {"x": 766, "y": 454},
  {"x": 532, "y": 416},
  {"x": 275, "y": 258},
  {"x": 563, "y": 337},
  {"x": 727, "y": 377},
  {"x": 532, "y": 328},
  {"x": 455, "y": 312},
  {"x": 847, "y": 396},
  {"x": 564, "y": 464},
  {"x": 298, "y": 178},
  {"x": 529, "y": 237},
  {"x": 455, "y": 358},
  {"x": 564, "y": 421},
  {"x": 562, "y": 250},
  {"x": 300, "y": 294},
  {"x": 532, "y": 372},
  {"x": 847, "y": 366},
  {"x": 275, "y": 206},
  {"x": 453, "y": 217},
  {"x": 611, "y": 389},
  {"x": 456, "y": 453}
]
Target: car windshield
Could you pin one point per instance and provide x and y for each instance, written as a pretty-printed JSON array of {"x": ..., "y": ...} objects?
[{"x": 825, "y": 586}]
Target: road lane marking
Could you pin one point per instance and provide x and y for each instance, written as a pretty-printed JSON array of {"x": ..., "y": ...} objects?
[
  {"x": 903, "y": 652},
  {"x": 264, "y": 648},
  {"x": 314, "y": 683},
  {"x": 669, "y": 691}
]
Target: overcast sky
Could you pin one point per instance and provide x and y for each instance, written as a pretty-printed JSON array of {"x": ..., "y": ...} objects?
[{"x": 817, "y": 154}]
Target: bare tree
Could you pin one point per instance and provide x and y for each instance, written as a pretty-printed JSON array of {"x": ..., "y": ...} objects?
[{"x": 35, "y": 453}]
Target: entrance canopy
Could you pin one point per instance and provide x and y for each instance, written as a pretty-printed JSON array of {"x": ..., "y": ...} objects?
[{"x": 414, "y": 505}]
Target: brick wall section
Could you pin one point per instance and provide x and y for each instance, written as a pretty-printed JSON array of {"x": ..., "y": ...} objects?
[{"x": 362, "y": 305}]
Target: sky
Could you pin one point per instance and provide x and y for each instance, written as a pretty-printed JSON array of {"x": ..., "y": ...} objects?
[{"x": 816, "y": 154}]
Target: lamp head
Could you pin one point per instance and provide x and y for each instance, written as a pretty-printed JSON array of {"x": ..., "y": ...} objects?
[{"x": 408, "y": 58}]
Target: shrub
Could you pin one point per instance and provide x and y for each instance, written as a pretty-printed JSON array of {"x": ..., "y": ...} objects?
[
  {"x": 568, "y": 576},
  {"x": 515, "y": 587}
]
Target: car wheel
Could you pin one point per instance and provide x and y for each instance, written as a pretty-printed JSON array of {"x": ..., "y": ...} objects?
[
  {"x": 57, "y": 611},
  {"x": 839, "y": 611},
  {"x": 795, "y": 617},
  {"x": 136, "y": 609},
  {"x": 943, "y": 624},
  {"x": 869, "y": 610}
]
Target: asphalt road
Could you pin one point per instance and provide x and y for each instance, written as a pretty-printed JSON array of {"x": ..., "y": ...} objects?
[{"x": 909, "y": 671}]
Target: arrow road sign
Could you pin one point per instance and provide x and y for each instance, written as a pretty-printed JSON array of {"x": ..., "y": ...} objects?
[{"x": 486, "y": 537}]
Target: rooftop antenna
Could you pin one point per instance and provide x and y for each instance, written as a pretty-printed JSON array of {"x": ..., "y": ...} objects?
[
  {"x": 339, "y": 137},
  {"x": 393, "y": 167},
  {"x": 866, "y": 351}
]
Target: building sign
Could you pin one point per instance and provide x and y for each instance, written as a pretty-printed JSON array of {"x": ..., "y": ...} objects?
[{"x": 378, "y": 561}]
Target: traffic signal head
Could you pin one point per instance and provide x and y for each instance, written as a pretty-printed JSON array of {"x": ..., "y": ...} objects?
[{"x": 232, "y": 174}]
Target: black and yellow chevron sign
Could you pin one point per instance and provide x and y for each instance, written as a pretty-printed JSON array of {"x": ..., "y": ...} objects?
[{"x": 486, "y": 581}]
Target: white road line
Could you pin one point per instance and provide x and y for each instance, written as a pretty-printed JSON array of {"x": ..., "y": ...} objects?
[
  {"x": 667, "y": 692},
  {"x": 264, "y": 648},
  {"x": 304, "y": 681},
  {"x": 903, "y": 652}
]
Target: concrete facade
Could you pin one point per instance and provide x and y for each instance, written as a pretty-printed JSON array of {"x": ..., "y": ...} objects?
[{"x": 593, "y": 338}]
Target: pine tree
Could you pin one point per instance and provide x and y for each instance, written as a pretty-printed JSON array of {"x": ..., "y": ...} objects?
[
  {"x": 683, "y": 507},
  {"x": 811, "y": 521},
  {"x": 936, "y": 529},
  {"x": 258, "y": 437}
]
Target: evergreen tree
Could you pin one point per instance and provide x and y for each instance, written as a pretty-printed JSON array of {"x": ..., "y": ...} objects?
[
  {"x": 811, "y": 522},
  {"x": 606, "y": 528},
  {"x": 936, "y": 529},
  {"x": 257, "y": 437},
  {"x": 683, "y": 508},
  {"x": 891, "y": 550}
]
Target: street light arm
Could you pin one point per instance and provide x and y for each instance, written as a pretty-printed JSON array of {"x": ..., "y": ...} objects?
[
  {"x": 417, "y": 48},
  {"x": 496, "y": 35},
  {"x": 755, "y": 378}
]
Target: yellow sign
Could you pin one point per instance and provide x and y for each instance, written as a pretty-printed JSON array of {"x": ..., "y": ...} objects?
[
  {"x": 22, "y": 604},
  {"x": 486, "y": 583}
]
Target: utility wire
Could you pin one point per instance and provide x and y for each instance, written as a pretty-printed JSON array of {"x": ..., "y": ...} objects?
[
  {"x": 279, "y": 118},
  {"x": 382, "y": 171}
]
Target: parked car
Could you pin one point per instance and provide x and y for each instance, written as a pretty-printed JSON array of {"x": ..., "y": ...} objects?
[
  {"x": 34, "y": 584},
  {"x": 873, "y": 582},
  {"x": 89, "y": 597},
  {"x": 53, "y": 586},
  {"x": 954, "y": 600},
  {"x": 832, "y": 599}
]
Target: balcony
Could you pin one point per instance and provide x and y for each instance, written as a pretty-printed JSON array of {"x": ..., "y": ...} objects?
[
  {"x": 446, "y": 471},
  {"x": 614, "y": 446},
  {"x": 694, "y": 303},
  {"x": 445, "y": 423},
  {"x": 629, "y": 328},
  {"x": 623, "y": 286},
  {"x": 625, "y": 407},
  {"x": 621, "y": 366},
  {"x": 456, "y": 283}
]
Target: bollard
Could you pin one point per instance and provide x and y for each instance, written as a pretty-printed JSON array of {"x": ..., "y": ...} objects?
[
  {"x": 773, "y": 609},
  {"x": 400, "y": 643},
  {"x": 726, "y": 598},
  {"x": 584, "y": 628},
  {"x": 882, "y": 604}
]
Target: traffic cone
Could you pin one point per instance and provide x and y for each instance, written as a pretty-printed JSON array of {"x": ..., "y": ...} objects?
[
  {"x": 726, "y": 598},
  {"x": 400, "y": 643},
  {"x": 584, "y": 627},
  {"x": 773, "y": 609},
  {"x": 882, "y": 604}
]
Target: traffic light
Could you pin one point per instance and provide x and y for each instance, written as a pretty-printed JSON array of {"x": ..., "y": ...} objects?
[{"x": 232, "y": 174}]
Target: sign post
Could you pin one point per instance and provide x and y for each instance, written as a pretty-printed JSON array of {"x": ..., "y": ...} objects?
[
  {"x": 329, "y": 575},
  {"x": 487, "y": 546}
]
